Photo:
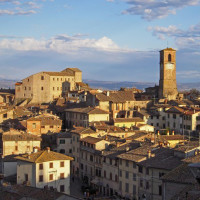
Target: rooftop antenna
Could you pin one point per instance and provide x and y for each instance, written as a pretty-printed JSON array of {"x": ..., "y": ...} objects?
[{"x": 167, "y": 43}]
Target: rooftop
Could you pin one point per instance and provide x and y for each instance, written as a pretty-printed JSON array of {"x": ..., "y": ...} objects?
[{"x": 43, "y": 156}]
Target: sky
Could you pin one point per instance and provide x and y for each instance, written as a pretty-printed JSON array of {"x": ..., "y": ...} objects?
[{"x": 109, "y": 40}]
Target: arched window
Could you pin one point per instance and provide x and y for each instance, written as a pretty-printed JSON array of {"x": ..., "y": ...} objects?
[
  {"x": 116, "y": 178},
  {"x": 169, "y": 57}
]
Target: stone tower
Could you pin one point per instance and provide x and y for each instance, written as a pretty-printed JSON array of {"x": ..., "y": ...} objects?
[{"x": 167, "y": 83}]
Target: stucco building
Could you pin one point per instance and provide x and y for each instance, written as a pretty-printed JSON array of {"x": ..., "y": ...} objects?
[{"x": 44, "y": 169}]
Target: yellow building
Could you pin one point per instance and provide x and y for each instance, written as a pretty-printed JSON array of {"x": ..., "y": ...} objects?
[
  {"x": 128, "y": 122},
  {"x": 83, "y": 116}
]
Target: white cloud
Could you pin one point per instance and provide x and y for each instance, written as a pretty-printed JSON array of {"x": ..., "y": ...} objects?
[
  {"x": 63, "y": 44},
  {"x": 157, "y": 9},
  {"x": 184, "y": 39},
  {"x": 22, "y": 7}
]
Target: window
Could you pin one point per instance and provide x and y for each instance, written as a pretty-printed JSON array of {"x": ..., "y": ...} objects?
[
  {"x": 62, "y": 141},
  {"x": 104, "y": 174},
  {"x": 62, "y": 188},
  {"x": 116, "y": 178},
  {"x": 62, "y": 164},
  {"x": 42, "y": 126},
  {"x": 51, "y": 165},
  {"x": 51, "y": 126},
  {"x": 160, "y": 189},
  {"x": 70, "y": 150},
  {"x": 140, "y": 169},
  {"x": 110, "y": 176},
  {"x": 24, "y": 88},
  {"x": 174, "y": 116},
  {"x": 120, "y": 173},
  {"x": 50, "y": 177},
  {"x": 161, "y": 174},
  {"x": 5, "y": 115},
  {"x": 127, "y": 163},
  {"x": 134, "y": 165},
  {"x": 147, "y": 185},
  {"x": 62, "y": 175},
  {"x": 91, "y": 158},
  {"x": 134, "y": 177},
  {"x": 53, "y": 88},
  {"x": 42, "y": 77},
  {"x": 127, "y": 187},
  {"x": 26, "y": 177},
  {"x": 41, "y": 178},
  {"x": 169, "y": 57},
  {"x": 110, "y": 161},
  {"x": 134, "y": 189},
  {"x": 33, "y": 125},
  {"x": 157, "y": 124},
  {"x": 157, "y": 117},
  {"x": 29, "y": 88},
  {"x": 127, "y": 175},
  {"x": 81, "y": 165},
  {"x": 40, "y": 166},
  {"x": 16, "y": 148},
  {"x": 151, "y": 117},
  {"x": 147, "y": 171},
  {"x": 141, "y": 183},
  {"x": 120, "y": 161},
  {"x": 120, "y": 185},
  {"x": 62, "y": 150}
]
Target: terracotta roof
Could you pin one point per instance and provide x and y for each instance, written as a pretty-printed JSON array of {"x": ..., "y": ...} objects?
[
  {"x": 47, "y": 120},
  {"x": 59, "y": 73},
  {"x": 91, "y": 140},
  {"x": 124, "y": 120},
  {"x": 181, "y": 174},
  {"x": 171, "y": 137},
  {"x": 164, "y": 159},
  {"x": 87, "y": 110},
  {"x": 168, "y": 49},
  {"x": 193, "y": 159},
  {"x": 14, "y": 135},
  {"x": 73, "y": 69},
  {"x": 43, "y": 156},
  {"x": 18, "y": 83},
  {"x": 116, "y": 96},
  {"x": 139, "y": 154},
  {"x": 18, "y": 192},
  {"x": 187, "y": 146},
  {"x": 82, "y": 130},
  {"x": 64, "y": 135}
]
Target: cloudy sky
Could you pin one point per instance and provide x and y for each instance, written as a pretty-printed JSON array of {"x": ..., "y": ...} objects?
[{"x": 106, "y": 39}]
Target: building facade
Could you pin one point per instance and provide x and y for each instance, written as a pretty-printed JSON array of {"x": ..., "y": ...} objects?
[{"x": 44, "y": 87}]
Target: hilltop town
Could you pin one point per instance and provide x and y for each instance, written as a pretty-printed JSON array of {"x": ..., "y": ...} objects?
[{"x": 62, "y": 139}]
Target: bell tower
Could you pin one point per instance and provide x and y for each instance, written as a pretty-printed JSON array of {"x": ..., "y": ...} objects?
[{"x": 167, "y": 84}]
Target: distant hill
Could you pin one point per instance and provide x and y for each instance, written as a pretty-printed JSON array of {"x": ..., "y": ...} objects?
[
  {"x": 116, "y": 85},
  {"x": 111, "y": 85},
  {"x": 6, "y": 83}
]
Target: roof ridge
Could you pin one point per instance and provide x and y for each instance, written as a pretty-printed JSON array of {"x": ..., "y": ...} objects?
[{"x": 39, "y": 156}]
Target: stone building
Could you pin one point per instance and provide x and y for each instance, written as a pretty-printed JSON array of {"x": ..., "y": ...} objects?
[
  {"x": 44, "y": 169},
  {"x": 16, "y": 142},
  {"x": 167, "y": 83},
  {"x": 44, "y": 87},
  {"x": 43, "y": 124},
  {"x": 83, "y": 116}
]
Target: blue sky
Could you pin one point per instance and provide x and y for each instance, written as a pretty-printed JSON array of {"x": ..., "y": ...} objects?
[{"x": 116, "y": 40}]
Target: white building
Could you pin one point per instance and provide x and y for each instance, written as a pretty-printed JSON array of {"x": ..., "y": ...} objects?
[{"x": 44, "y": 169}]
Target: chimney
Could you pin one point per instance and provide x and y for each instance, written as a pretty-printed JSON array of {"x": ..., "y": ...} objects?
[
  {"x": 149, "y": 153},
  {"x": 158, "y": 133},
  {"x": 48, "y": 149},
  {"x": 167, "y": 132},
  {"x": 108, "y": 93},
  {"x": 35, "y": 150},
  {"x": 127, "y": 149},
  {"x": 172, "y": 132}
]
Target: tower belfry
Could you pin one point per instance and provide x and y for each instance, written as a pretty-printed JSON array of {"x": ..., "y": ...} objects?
[{"x": 167, "y": 84}]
